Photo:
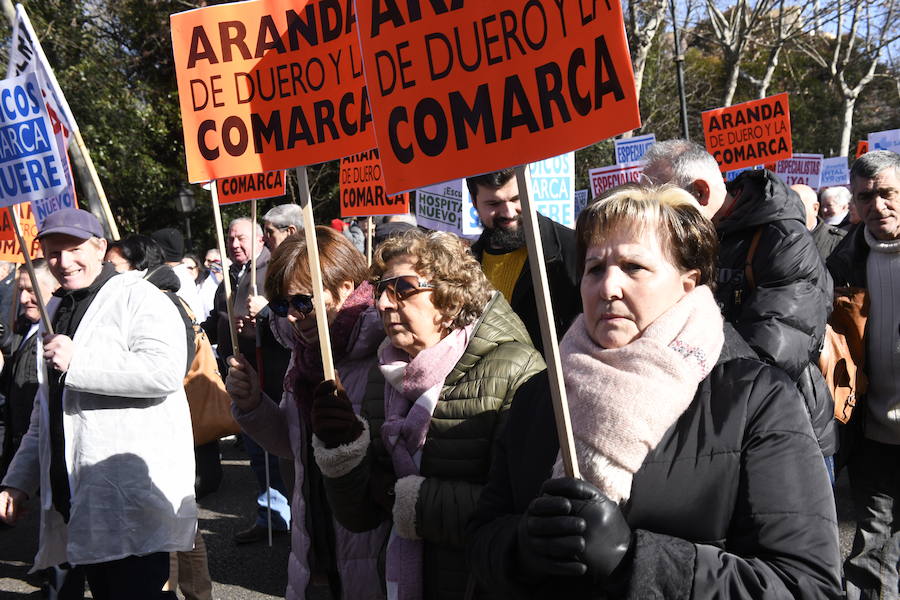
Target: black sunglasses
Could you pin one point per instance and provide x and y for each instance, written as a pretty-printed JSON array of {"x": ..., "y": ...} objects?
[
  {"x": 302, "y": 303},
  {"x": 401, "y": 287}
]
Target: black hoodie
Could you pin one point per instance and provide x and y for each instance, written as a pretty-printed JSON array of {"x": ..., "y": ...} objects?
[{"x": 783, "y": 315}]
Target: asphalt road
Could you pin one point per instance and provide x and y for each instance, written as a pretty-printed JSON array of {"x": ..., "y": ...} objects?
[{"x": 250, "y": 572}]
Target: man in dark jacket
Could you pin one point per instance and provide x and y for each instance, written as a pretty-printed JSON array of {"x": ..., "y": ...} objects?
[
  {"x": 869, "y": 258},
  {"x": 826, "y": 236},
  {"x": 245, "y": 237},
  {"x": 503, "y": 256},
  {"x": 780, "y": 301}
]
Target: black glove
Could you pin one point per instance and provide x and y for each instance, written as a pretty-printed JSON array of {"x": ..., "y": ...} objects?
[
  {"x": 606, "y": 536},
  {"x": 333, "y": 419},
  {"x": 550, "y": 540}
]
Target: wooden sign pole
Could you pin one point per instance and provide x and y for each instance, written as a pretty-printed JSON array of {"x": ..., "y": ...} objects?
[
  {"x": 369, "y": 237},
  {"x": 29, "y": 266},
  {"x": 548, "y": 327},
  {"x": 315, "y": 270},
  {"x": 226, "y": 278},
  {"x": 253, "y": 250}
]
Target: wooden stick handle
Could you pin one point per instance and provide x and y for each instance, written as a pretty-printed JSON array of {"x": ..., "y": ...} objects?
[
  {"x": 253, "y": 249},
  {"x": 369, "y": 238},
  {"x": 29, "y": 266},
  {"x": 226, "y": 276},
  {"x": 315, "y": 270},
  {"x": 548, "y": 327}
]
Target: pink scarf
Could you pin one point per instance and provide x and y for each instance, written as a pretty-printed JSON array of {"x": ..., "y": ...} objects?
[
  {"x": 411, "y": 392},
  {"x": 623, "y": 400}
]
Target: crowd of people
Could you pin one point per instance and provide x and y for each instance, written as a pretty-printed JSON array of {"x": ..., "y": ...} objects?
[{"x": 691, "y": 314}]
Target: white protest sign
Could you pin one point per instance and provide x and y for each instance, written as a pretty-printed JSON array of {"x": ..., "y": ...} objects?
[
  {"x": 629, "y": 150},
  {"x": 553, "y": 188},
  {"x": 834, "y": 172},
  {"x": 800, "y": 169},
  {"x": 439, "y": 206},
  {"x": 30, "y": 165},
  {"x": 581, "y": 200},
  {"x": 25, "y": 56},
  {"x": 606, "y": 178},
  {"x": 552, "y": 183},
  {"x": 885, "y": 140}
]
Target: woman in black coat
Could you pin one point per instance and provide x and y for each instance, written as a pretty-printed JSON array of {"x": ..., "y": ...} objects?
[{"x": 702, "y": 476}]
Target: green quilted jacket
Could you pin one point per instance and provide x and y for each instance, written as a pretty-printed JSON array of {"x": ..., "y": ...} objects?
[{"x": 465, "y": 427}]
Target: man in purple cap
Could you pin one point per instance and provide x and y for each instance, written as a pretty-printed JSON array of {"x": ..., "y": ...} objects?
[{"x": 110, "y": 443}]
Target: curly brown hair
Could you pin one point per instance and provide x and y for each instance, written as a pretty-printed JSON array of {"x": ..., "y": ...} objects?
[{"x": 461, "y": 290}]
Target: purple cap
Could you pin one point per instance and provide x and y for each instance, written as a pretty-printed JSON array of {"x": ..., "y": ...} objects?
[{"x": 72, "y": 221}]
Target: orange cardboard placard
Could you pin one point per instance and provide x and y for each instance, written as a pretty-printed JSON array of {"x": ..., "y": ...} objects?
[
  {"x": 749, "y": 134},
  {"x": 362, "y": 188},
  {"x": 459, "y": 88},
  {"x": 10, "y": 250},
  {"x": 249, "y": 187},
  {"x": 269, "y": 84},
  {"x": 862, "y": 146}
]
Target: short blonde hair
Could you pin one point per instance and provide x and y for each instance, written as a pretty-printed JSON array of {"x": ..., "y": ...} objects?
[
  {"x": 461, "y": 290},
  {"x": 687, "y": 237}
]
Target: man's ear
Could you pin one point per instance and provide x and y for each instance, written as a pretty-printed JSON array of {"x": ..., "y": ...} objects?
[{"x": 700, "y": 191}]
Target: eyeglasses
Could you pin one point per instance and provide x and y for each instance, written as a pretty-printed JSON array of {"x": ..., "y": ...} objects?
[
  {"x": 302, "y": 303},
  {"x": 401, "y": 287}
]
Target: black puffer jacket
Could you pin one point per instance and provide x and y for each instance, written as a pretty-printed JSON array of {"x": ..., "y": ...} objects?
[
  {"x": 734, "y": 502},
  {"x": 783, "y": 315}
]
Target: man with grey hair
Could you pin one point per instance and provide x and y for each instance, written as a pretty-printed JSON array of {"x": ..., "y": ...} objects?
[
  {"x": 690, "y": 167},
  {"x": 834, "y": 206},
  {"x": 779, "y": 297},
  {"x": 280, "y": 222},
  {"x": 869, "y": 259},
  {"x": 245, "y": 238}
]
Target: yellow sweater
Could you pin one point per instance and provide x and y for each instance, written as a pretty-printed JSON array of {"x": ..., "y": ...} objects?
[{"x": 503, "y": 270}]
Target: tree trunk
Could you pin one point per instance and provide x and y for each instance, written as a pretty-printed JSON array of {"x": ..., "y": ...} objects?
[
  {"x": 731, "y": 81},
  {"x": 848, "y": 104}
]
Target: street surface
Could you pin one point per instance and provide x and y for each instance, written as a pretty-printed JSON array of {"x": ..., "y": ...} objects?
[{"x": 250, "y": 572}]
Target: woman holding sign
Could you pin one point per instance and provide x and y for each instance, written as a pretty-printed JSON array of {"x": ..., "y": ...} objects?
[
  {"x": 702, "y": 476},
  {"x": 320, "y": 548},
  {"x": 419, "y": 455}
]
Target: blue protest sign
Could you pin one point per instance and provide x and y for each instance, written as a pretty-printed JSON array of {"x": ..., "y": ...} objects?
[
  {"x": 581, "y": 200},
  {"x": 834, "y": 172},
  {"x": 629, "y": 150},
  {"x": 885, "y": 140},
  {"x": 30, "y": 164}
]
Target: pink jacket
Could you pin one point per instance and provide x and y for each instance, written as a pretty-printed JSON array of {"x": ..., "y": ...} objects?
[{"x": 277, "y": 428}]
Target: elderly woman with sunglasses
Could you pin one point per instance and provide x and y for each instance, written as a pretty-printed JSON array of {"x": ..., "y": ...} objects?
[
  {"x": 419, "y": 454},
  {"x": 322, "y": 551}
]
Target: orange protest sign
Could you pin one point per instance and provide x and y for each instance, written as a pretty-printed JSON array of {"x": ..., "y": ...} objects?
[
  {"x": 464, "y": 88},
  {"x": 362, "y": 188},
  {"x": 269, "y": 84},
  {"x": 10, "y": 250},
  {"x": 862, "y": 146},
  {"x": 250, "y": 187},
  {"x": 749, "y": 134}
]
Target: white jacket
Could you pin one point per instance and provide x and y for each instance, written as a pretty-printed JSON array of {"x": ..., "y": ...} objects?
[{"x": 129, "y": 446}]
